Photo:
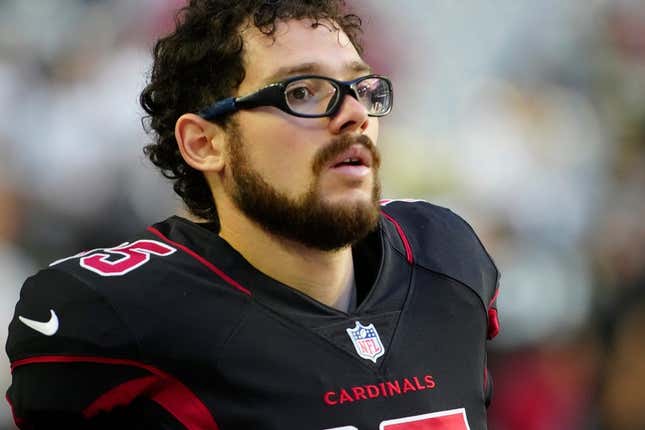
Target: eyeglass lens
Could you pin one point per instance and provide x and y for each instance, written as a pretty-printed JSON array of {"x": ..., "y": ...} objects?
[
  {"x": 315, "y": 96},
  {"x": 310, "y": 96}
]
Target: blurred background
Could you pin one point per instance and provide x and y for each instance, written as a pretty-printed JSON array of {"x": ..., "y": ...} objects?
[{"x": 527, "y": 118}]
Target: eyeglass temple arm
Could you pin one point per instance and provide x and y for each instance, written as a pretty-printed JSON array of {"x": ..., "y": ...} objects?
[
  {"x": 268, "y": 96},
  {"x": 222, "y": 107}
]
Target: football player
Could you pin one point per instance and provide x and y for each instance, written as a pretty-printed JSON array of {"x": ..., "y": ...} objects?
[{"x": 299, "y": 300}]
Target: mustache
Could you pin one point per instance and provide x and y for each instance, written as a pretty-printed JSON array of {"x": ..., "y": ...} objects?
[{"x": 341, "y": 144}]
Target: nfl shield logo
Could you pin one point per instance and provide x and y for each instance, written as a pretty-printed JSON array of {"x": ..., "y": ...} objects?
[{"x": 366, "y": 341}]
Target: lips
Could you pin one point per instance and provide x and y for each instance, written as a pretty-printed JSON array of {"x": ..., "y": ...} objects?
[
  {"x": 356, "y": 155},
  {"x": 347, "y": 153}
]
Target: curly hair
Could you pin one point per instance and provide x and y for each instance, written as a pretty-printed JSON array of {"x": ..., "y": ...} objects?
[{"x": 201, "y": 62}]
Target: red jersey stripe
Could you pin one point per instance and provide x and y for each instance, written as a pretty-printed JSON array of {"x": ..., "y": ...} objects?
[
  {"x": 404, "y": 238},
  {"x": 202, "y": 260},
  {"x": 174, "y": 396}
]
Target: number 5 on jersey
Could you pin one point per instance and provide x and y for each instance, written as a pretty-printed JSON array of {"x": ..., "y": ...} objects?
[{"x": 119, "y": 260}]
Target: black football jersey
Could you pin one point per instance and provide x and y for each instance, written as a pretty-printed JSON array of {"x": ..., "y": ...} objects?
[{"x": 176, "y": 330}]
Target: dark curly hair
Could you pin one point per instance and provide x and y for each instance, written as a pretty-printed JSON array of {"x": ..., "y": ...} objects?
[{"x": 201, "y": 62}]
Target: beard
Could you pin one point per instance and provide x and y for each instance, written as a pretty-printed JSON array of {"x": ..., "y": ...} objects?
[{"x": 307, "y": 219}]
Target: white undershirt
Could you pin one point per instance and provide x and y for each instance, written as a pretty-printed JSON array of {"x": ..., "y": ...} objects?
[{"x": 347, "y": 300}]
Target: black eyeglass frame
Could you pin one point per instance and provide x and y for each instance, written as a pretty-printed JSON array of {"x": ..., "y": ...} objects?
[{"x": 274, "y": 95}]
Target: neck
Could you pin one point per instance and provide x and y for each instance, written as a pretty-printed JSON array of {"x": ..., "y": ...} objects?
[{"x": 326, "y": 276}]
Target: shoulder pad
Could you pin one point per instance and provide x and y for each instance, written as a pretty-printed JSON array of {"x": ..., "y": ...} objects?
[
  {"x": 156, "y": 284},
  {"x": 443, "y": 242},
  {"x": 150, "y": 261},
  {"x": 59, "y": 315}
]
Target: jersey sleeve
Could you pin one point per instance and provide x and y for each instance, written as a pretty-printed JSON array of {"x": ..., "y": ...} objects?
[{"x": 74, "y": 363}]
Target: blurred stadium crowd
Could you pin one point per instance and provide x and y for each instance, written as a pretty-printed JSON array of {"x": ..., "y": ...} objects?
[{"x": 527, "y": 118}]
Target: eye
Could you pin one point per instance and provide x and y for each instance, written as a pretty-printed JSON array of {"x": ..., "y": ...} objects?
[
  {"x": 309, "y": 95},
  {"x": 374, "y": 90},
  {"x": 299, "y": 94},
  {"x": 369, "y": 88},
  {"x": 363, "y": 89}
]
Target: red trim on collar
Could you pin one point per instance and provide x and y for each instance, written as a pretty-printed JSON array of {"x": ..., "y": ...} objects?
[{"x": 404, "y": 238}]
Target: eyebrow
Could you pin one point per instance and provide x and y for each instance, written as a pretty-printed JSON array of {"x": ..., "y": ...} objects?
[{"x": 355, "y": 67}]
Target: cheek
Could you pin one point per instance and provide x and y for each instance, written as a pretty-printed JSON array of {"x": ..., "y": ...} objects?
[
  {"x": 373, "y": 129},
  {"x": 281, "y": 152}
]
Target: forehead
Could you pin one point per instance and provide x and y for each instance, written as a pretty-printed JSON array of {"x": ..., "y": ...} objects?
[{"x": 298, "y": 47}]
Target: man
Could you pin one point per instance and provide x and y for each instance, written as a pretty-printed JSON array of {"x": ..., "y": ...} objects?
[{"x": 301, "y": 303}]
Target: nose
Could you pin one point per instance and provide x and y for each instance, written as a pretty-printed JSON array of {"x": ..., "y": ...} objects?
[{"x": 350, "y": 117}]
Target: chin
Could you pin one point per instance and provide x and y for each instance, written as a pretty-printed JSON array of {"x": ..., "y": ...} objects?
[{"x": 352, "y": 198}]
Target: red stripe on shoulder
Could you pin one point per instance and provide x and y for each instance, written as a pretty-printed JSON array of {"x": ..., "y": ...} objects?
[
  {"x": 404, "y": 238},
  {"x": 202, "y": 260},
  {"x": 161, "y": 387}
]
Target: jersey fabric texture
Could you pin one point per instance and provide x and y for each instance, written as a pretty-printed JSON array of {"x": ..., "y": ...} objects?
[{"x": 176, "y": 330}]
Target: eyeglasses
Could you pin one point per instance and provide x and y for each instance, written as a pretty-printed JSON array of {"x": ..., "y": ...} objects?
[{"x": 311, "y": 96}]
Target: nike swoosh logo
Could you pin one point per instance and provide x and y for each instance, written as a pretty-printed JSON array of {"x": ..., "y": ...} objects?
[{"x": 48, "y": 328}]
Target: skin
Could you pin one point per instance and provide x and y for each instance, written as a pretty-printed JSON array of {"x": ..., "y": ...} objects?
[{"x": 281, "y": 147}]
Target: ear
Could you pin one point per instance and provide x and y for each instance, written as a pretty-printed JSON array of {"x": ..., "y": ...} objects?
[{"x": 200, "y": 142}]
